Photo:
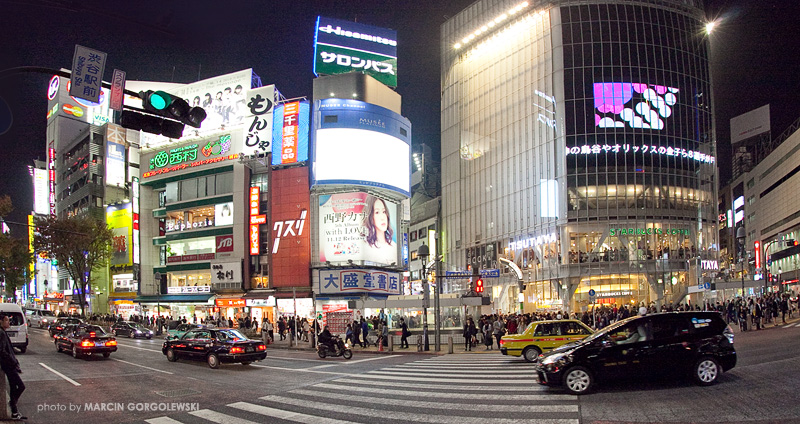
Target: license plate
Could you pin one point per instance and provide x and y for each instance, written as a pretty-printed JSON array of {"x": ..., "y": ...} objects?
[
  {"x": 99, "y": 343},
  {"x": 11, "y": 333},
  {"x": 249, "y": 349}
]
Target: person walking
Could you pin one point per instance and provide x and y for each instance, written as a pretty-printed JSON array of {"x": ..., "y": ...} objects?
[
  {"x": 306, "y": 328},
  {"x": 10, "y": 365},
  {"x": 498, "y": 329},
  {"x": 282, "y": 328},
  {"x": 487, "y": 334},
  {"x": 364, "y": 332},
  {"x": 403, "y": 334},
  {"x": 385, "y": 334},
  {"x": 356, "y": 333}
]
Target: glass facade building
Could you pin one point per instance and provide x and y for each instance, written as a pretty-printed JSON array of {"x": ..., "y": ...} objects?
[{"x": 578, "y": 142}]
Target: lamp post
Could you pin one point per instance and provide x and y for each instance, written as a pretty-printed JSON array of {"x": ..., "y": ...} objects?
[
  {"x": 423, "y": 253},
  {"x": 741, "y": 235}
]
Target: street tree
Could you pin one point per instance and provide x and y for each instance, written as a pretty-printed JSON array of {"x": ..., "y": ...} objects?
[
  {"x": 80, "y": 244},
  {"x": 15, "y": 256}
]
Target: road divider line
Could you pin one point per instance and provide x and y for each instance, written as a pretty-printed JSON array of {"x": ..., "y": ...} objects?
[
  {"x": 60, "y": 375},
  {"x": 141, "y": 366},
  {"x": 162, "y": 420},
  {"x": 284, "y": 415},
  {"x": 299, "y": 370},
  {"x": 219, "y": 418},
  {"x": 127, "y": 346}
]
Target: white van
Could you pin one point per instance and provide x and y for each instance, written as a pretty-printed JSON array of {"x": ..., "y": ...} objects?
[
  {"x": 18, "y": 332},
  {"x": 39, "y": 317}
]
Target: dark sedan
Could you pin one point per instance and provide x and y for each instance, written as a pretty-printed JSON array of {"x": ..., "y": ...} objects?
[
  {"x": 62, "y": 322},
  {"x": 131, "y": 329},
  {"x": 215, "y": 346},
  {"x": 85, "y": 339}
]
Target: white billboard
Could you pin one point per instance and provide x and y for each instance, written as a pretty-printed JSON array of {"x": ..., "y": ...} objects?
[
  {"x": 41, "y": 201},
  {"x": 222, "y": 97},
  {"x": 223, "y": 214},
  {"x": 258, "y": 120},
  {"x": 750, "y": 124},
  {"x": 357, "y": 227}
]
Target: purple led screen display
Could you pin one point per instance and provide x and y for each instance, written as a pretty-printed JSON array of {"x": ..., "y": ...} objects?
[{"x": 634, "y": 105}]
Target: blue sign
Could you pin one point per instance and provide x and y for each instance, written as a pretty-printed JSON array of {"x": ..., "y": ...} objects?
[
  {"x": 592, "y": 292},
  {"x": 485, "y": 273}
]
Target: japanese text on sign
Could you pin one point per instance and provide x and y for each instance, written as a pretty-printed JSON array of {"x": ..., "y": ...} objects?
[
  {"x": 291, "y": 112},
  {"x": 87, "y": 73},
  {"x": 359, "y": 280}
]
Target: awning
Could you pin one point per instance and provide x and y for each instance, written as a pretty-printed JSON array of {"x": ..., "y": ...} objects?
[
  {"x": 175, "y": 298},
  {"x": 259, "y": 294}
]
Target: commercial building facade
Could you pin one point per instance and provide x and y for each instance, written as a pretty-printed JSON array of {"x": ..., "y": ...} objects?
[{"x": 577, "y": 142}]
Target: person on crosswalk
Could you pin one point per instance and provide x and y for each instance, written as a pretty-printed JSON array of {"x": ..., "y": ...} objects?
[{"x": 404, "y": 333}]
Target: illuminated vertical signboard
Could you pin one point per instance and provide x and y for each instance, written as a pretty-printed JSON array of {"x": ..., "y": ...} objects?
[
  {"x": 41, "y": 205},
  {"x": 51, "y": 176},
  {"x": 290, "y": 133},
  {"x": 135, "y": 191},
  {"x": 115, "y": 155},
  {"x": 290, "y": 239},
  {"x": 256, "y": 219},
  {"x": 341, "y": 47},
  {"x": 119, "y": 219}
]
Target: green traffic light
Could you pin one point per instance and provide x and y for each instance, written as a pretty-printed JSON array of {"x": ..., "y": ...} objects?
[{"x": 159, "y": 100}]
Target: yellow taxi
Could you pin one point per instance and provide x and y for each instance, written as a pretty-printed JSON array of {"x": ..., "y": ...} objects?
[{"x": 543, "y": 336}]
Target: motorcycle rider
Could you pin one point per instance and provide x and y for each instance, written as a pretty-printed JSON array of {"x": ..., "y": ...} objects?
[{"x": 326, "y": 338}]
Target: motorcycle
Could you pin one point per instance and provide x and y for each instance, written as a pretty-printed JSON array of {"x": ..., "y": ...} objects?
[{"x": 342, "y": 349}]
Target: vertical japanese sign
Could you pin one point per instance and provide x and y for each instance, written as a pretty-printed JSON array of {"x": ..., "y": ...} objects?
[
  {"x": 260, "y": 103},
  {"x": 135, "y": 191},
  {"x": 290, "y": 238},
  {"x": 117, "y": 90},
  {"x": 255, "y": 220},
  {"x": 87, "y": 73},
  {"x": 51, "y": 175},
  {"x": 290, "y": 133},
  {"x": 120, "y": 220},
  {"x": 115, "y": 155}
]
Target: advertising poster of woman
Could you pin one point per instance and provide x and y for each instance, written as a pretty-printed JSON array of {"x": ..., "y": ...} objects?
[{"x": 358, "y": 227}]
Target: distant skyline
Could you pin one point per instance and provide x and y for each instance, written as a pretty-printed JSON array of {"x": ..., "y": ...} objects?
[{"x": 753, "y": 58}]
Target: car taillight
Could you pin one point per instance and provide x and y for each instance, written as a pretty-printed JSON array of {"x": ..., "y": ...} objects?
[
  {"x": 111, "y": 343},
  {"x": 59, "y": 328},
  {"x": 502, "y": 342},
  {"x": 92, "y": 334},
  {"x": 261, "y": 347},
  {"x": 237, "y": 349},
  {"x": 87, "y": 343}
]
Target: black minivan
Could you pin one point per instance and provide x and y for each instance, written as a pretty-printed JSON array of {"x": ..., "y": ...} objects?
[{"x": 696, "y": 344}]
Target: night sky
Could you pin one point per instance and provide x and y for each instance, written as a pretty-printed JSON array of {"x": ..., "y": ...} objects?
[{"x": 754, "y": 56}]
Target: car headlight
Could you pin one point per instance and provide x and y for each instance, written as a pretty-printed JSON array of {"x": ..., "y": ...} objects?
[
  {"x": 138, "y": 332},
  {"x": 557, "y": 360}
]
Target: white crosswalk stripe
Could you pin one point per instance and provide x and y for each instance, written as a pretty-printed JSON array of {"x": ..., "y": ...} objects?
[{"x": 451, "y": 389}]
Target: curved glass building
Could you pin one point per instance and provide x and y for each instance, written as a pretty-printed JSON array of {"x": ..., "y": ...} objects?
[{"x": 578, "y": 142}]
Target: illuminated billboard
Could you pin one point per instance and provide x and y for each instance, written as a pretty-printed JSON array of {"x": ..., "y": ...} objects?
[
  {"x": 41, "y": 202},
  {"x": 341, "y": 47},
  {"x": 357, "y": 143},
  {"x": 290, "y": 233},
  {"x": 260, "y": 102},
  {"x": 119, "y": 219},
  {"x": 194, "y": 154},
  {"x": 357, "y": 227},
  {"x": 115, "y": 155},
  {"x": 60, "y": 103},
  {"x": 290, "y": 133},
  {"x": 635, "y": 105},
  {"x": 222, "y": 97}
]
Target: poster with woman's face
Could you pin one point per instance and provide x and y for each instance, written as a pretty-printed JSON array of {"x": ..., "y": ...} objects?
[{"x": 358, "y": 227}]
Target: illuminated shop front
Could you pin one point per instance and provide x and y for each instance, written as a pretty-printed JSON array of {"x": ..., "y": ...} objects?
[{"x": 590, "y": 160}]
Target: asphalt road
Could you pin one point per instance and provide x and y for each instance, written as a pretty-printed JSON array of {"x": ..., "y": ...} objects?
[{"x": 296, "y": 386}]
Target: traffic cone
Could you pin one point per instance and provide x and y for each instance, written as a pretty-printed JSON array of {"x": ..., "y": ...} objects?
[{"x": 380, "y": 345}]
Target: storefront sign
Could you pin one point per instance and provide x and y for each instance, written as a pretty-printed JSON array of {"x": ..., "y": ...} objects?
[
  {"x": 259, "y": 121},
  {"x": 615, "y": 293},
  {"x": 53, "y": 295},
  {"x": 191, "y": 258},
  {"x": 228, "y": 272},
  {"x": 125, "y": 283},
  {"x": 648, "y": 231},
  {"x": 254, "y": 204},
  {"x": 290, "y": 237},
  {"x": 270, "y": 301},
  {"x": 231, "y": 303},
  {"x": 217, "y": 149},
  {"x": 359, "y": 281},
  {"x": 188, "y": 289},
  {"x": 224, "y": 244},
  {"x": 120, "y": 220},
  {"x": 533, "y": 241},
  {"x": 290, "y": 131},
  {"x": 709, "y": 265}
]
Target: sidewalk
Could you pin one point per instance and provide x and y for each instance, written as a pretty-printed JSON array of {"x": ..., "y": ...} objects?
[
  {"x": 776, "y": 323},
  {"x": 412, "y": 349}
]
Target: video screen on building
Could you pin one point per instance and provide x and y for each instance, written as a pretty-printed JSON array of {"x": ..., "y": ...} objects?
[
  {"x": 357, "y": 227},
  {"x": 361, "y": 144}
]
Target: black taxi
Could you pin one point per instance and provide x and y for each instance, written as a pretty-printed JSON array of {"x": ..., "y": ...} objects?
[
  {"x": 84, "y": 340},
  {"x": 215, "y": 346}
]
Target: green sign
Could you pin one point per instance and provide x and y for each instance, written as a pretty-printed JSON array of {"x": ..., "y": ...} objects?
[
  {"x": 333, "y": 60},
  {"x": 648, "y": 231},
  {"x": 188, "y": 153}
]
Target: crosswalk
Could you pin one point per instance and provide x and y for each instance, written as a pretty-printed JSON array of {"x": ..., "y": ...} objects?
[
  {"x": 446, "y": 390},
  {"x": 793, "y": 325}
]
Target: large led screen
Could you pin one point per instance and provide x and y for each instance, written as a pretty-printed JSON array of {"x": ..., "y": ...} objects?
[
  {"x": 357, "y": 227},
  {"x": 635, "y": 105},
  {"x": 357, "y": 143},
  {"x": 290, "y": 133}
]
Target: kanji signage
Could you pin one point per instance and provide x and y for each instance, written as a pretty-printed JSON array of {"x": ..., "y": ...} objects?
[
  {"x": 231, "y": 303},
  {"x": 259, "y": 120},
  {"x": 226, "y": 272},
  {"x": 255, "y": 220},
  {"x": 359, "y": 281},
  {"x": 217, "y": 149},
  {"x": 87, "y": 73},
  {"x": 343, "y": 46},
  {"x": 290, "y": 235}
]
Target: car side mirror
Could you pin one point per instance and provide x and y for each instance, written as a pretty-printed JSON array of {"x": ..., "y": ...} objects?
[{"x": 606, "y": 343}]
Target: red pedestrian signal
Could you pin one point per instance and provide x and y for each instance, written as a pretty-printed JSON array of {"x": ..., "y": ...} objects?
[{"x": 479, "y": 285}]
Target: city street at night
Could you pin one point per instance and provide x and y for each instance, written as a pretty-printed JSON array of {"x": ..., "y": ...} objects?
[{"x": 297, "y": 386}]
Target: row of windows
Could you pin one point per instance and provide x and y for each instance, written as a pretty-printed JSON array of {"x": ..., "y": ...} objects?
[{"x": 194, "y": 188}]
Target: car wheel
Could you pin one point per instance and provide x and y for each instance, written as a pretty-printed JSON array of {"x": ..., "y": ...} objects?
[
  {"x": 171, "y": 356},
  {"x": 23, "y": 349},
  {"x": 578, "y": 380},
  {"x": 58, "y": 347},
  {"x": 531, "y": 353},
  {"x": 706, "y": 371},
  {"x": 246, "y": 363},
  {"x": 106, "y": 354},
  {"x": 213, "y": 360},
  {"x": 75, "y": 353}
]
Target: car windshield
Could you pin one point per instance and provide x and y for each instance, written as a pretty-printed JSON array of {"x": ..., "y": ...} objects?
[
  {"x": 610, "y": 329},
  {"x": 230, "y": 336},
  {"x": 15, "y": 318},
  {"x": 137, "y": 326},
  {"x": 89, "y": 329}
]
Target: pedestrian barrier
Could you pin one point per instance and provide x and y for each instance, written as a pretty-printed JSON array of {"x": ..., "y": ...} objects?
[
  {"x": 419, "y": 343},
  {"x": 450, "y": 344},
  {"x": 5, "y": 389},
  {"x": 391, "y": 344}
]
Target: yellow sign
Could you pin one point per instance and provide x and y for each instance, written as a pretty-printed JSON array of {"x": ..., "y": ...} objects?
[{"x": 120, "y": 220}]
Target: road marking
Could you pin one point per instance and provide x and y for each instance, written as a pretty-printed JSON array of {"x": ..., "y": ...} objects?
[
  {"x": 451, "y": 380},
  {"x": 422, "y": 394},
  {"x": 141, "y": 366},
  {"x": 60, "y": 375},
  {"x": 404, "y": 416},
  {"x": 349, "y": 362},
  {"x": 469, "y": 388},
  {"x": 299, "y": 369},
  {"x": 282, "y": 358},
  {"x": 127, "y": 346},
  {"x": 219, "y": 418},
  {"x": 162, "y": 420},
  {"x": 454, "y": 371},
  {"x": 438, "y": 405},
  {"x": 284, "y": 415}
]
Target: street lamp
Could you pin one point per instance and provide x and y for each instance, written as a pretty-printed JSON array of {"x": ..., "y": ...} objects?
[
  {"x": 423, "y": 253},
  {"x": 741, "y": 235}
]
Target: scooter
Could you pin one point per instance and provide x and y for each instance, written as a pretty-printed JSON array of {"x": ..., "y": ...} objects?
[{"x": 343, "y": 349}]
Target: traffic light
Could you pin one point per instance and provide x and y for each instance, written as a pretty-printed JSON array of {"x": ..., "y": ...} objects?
[
  {"x": 791, "y": 243},
  {"x": 479, "y": 285},
  {"x": 172, "y": 107}
]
